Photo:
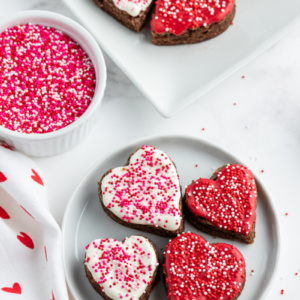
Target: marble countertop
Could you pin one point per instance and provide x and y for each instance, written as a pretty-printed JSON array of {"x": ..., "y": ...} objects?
[{"x": 263, "y": 129}]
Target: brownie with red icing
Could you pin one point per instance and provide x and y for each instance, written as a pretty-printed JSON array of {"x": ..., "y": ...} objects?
[
  {"x": 132, "y": 14},
  {"x": 195, "y": 269},
  {"x": 122, "y": 270},
  {"x": 224, "y": 206},
  {"x": 145, "y": 194},
  {"x": 187, "y": 22}
]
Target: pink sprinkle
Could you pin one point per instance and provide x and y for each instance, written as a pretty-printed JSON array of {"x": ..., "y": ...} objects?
[{"x": 47, "y": 80}]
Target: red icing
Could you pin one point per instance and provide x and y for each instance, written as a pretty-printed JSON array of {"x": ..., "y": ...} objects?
[
  {"x": 198, "y": 270},
  {"x": 229, "y": 202},
  {"x": 176, "y": 16}
]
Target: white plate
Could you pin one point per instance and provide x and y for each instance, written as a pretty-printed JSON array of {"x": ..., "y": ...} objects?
[
  {"x": 85, "y": 221},
  {"x": 173, "y": 77}
]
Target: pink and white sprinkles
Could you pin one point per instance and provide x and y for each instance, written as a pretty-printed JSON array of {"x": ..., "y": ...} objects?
[
  {"x": 47, "y": 80},
  {"x": 123, "y": 270},
  {"x": 145, "y": 192}
]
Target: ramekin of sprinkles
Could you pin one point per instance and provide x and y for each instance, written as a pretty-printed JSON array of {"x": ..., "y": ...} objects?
[{"x": 53, "y": 77}]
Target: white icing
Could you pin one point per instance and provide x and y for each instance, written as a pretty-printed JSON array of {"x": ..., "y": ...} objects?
[
  {"x": 116, "y": 260},
  {"x": 156, "y": 176},
  {"x": 132, "y": 7}
]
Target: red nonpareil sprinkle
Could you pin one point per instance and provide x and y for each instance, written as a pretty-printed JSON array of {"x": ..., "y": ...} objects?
[
  {"x": 262, "y": 171},
  {"x": 203, "y": 129},
  {"x": 282, "y": 292},
  {"x": 196, "y": 166},
  {"x": 286, "y": 214},
  {"x": 296, "y": 274},
  {"x": 47, "y": 80},
  {"x": 234, "y": 103},
  {"x": 243, "y": 76}
]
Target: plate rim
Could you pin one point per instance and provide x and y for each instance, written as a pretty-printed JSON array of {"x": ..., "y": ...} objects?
[
  {"x": 168, "y": 112},
  {"x": 143, "y": 141}
]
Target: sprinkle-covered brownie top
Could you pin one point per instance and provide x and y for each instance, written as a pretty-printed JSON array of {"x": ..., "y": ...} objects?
[
  {"x": 176, "y": 16},
  {"x": 198, "y": 270},
  {"x": 47, "y": 80},
  {"x": 145, "y": 192},
  {"x": 228, "y": 202},
  {"x": 123, "y": 270}
]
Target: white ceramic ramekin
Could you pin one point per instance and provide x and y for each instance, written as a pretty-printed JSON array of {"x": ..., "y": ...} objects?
[{"x": 54, "y": 143}]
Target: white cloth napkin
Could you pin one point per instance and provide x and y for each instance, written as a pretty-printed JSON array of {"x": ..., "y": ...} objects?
[{"x": 31, "y": 264}]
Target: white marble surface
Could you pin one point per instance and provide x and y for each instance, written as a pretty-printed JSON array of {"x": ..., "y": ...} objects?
[{"x": 263, "y": 129}]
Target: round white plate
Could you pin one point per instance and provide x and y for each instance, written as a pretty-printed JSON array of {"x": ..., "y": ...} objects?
[{"x": 85, "y": 221}]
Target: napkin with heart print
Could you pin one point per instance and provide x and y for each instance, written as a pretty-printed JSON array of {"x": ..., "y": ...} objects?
[{"x": 30, "y": 243}]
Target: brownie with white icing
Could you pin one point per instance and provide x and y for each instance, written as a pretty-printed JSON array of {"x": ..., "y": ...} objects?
[
  {"x": 145, "y": 194},
  {"x": 122, "y": 270},
  {"x": 131, "y": 14}
]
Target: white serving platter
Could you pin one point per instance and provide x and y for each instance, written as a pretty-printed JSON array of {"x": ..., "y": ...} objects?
[
  {"x": 172, "y": 77},
  {"x": 85, "y": 220}
]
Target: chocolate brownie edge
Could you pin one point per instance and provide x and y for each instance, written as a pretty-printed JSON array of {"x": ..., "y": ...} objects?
[{"x": 133, "y": 23}]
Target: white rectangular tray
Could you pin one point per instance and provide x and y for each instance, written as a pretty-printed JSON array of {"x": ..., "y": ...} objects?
[{"x": 172, "y": 77}]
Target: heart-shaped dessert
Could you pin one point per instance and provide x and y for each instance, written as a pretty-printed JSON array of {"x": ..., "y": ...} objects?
[
  {"x": 225, "y": 204},
  {"x": 122, "y": 270},
  {"x": 195, "y": 269},
  {"x": 186, "y": 22},
  {"x": 145, "y": 194}
]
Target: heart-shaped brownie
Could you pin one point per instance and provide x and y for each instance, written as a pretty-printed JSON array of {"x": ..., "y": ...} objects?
[
  {"x": 181, "y": 22},
  {"x": 225, "y": 204},
  {"x": 145, "y": 194},
  {"x": 122, "y": 270},
  {"x": 195, "y": 269}
]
